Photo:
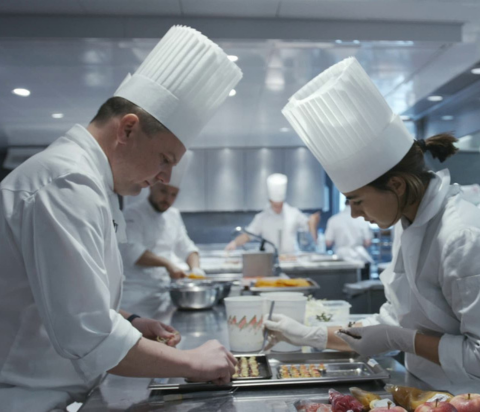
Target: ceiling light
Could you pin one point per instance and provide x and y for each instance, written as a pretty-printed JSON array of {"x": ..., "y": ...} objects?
[
  {"x": 57, "y": 115},
  {"x": 338, "y": 41},
  {"x": 21, "y": 92},
  {"x": 356, "y": 41},
  {"x": 284, "y": 129},
  {"x": 405, "y": 118},
  {"x": 434, "y": 98},
  {"x": 447, "y": 117},
  {"x": 476, "y": 70},
  {"x": 232, "y": 93},
  {"x": 232, "y": 58}
]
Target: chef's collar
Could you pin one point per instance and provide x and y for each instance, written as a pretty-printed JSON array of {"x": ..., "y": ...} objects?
[
  {"x": 432, "y": 200},
  {"x": 86, "y": 141}
]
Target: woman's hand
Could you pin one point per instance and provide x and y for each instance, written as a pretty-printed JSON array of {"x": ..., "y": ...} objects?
[
  {"x": 373, "y": 340},
  {"x": 282, "y": 328},
  {"x": 153, "y": 329}
]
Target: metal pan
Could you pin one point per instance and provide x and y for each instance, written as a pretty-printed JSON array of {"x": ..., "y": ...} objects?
[{"x": 303, "y": 289}]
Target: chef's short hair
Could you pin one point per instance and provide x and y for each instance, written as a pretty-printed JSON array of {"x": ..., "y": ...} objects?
[{"x": 118, "y": 106}]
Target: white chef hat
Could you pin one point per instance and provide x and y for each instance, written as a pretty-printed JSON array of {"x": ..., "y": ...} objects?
[
  {"x": 347, "y": 124},
  {"x": 178, "y": 171},
  {"x": 182, "y": 82},
  {"x": 277, "y": 187}
]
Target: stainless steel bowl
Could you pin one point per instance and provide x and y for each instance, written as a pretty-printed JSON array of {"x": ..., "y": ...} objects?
[
  {"x": 192, "y": 296},
  {"x": 224, "y": 289}
]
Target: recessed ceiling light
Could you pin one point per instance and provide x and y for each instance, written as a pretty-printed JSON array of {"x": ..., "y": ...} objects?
[
  {"x": 356, "y": 41},
  {"x": 405, "y": 117},
  {"x": 57, "y": 115},
  {"x": 476, "y": 70},
  {"x": 338, "y": 41},
  {"x": 435, "y": 98},
  {"x": 233, "y": 58},
  {"x": 232, "y": 93},
  {"x": 284, "y": 129},
  {"x": 21, "y": 92},
  {"x": 447, "y": 117}
]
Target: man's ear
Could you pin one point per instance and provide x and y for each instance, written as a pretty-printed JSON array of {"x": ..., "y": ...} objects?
[
  {"x": 398, "y": 185},
  {"x": 125, "y": 127}
]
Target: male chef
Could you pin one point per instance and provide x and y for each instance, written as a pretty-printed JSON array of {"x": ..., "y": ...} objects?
[
  {"x": 278, "y": 222},
  {"x": 350, "y": 238},
  {"x": 157, "y": 242},
  {"x": 61, "y": 276}
]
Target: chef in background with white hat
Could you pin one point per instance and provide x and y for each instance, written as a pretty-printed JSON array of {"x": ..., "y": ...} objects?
[
  {"x": 157, "y": 242},
  {"x": 278, "y": 222},
  {"x": 61, "y": 279},
  {"x": 433, "y": 283}
]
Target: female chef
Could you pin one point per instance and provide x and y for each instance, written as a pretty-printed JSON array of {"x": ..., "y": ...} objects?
[{"x": 433, "y": 283}]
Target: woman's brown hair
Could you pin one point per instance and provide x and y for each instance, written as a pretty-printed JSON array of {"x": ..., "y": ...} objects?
[{"x": 412, "y": 168}]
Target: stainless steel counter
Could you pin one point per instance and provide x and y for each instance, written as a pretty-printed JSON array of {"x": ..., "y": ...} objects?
[
  {"x": 331, "y": 274},
  {"x": 121, "y": 394}
]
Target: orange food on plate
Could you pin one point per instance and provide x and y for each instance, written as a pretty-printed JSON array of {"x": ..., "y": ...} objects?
[
  {"x": 194, "y": 276},
  {"x": 281, "y": 283}
]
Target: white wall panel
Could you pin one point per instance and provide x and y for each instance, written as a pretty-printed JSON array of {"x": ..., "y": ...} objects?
[
  {"x": 225, "y": 180},
  {"x": 260, "y": 163},
  {"x": 306, "y": 179},
  {"x": 192, "y": 196}
]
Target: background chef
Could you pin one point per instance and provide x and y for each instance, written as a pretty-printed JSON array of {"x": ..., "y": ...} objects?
[
  {"x": 157, "y": 241},
  {"x": 279, "y": 222},
  {"x": 61, "y": 278},
  {"x": 349, "y": 238},
  {"x": 433, "y": 283}
]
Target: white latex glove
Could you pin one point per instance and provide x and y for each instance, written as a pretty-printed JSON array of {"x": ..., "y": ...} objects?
[
  {"x": 282, "y": 328},
  {"x": 198, "y": 272},
  {"x": 378, "y": 339}
]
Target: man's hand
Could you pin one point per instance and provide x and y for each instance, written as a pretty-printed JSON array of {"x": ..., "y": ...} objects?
[
  {"x": 211, "y": 362},
  {"x": 198, "y": 272},
  {"x": 231, "y": 246},
  {"x": 175, "y": 272},
  {"x": 377, "y": 339},
  {"x": 151, "y": 329}
]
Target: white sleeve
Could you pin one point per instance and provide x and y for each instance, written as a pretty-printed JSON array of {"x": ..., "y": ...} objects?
[
  {"x": 134, "y": 247},
  {"x": 64, "y": 231},
  {"x": 460, "y": 354},
  {"x": 183, "y": 244},
  {"x": 256, "y": 226},
  {"x": 302, "y": 221},
  {"x": 329, "y": 232},
  {"x": 386, "y": 316}
]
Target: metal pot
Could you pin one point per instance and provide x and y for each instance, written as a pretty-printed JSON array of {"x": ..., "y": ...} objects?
[{"x": 193, "y": 296}]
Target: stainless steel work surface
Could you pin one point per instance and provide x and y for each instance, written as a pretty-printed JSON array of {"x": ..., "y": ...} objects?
[{"x": 131, "y": 394}]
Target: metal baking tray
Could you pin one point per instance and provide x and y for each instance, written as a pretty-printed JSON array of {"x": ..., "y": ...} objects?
[
  {"x": 264, "y": 370},
  {"x": 343, "y": 367},
  {"x": 304, "y": 289},
  {"x": 225, "y": 277}
]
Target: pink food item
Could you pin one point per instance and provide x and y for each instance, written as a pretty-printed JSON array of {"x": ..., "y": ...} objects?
[
  {"x": 436, "y": 407},
  {"x": 344, "y": 403},
  {"x": 314, "y": 407},
  {"x": 468, "y": 402}
]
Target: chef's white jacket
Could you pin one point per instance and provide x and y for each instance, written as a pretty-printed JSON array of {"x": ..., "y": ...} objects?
[
  {"x": 348, "y": 236},
  {"x": 279, "y": 228},
  {"x": 61, "y": 276},
  {"x": 433, "y": 285},
  {"x": 163, "y": 234}
]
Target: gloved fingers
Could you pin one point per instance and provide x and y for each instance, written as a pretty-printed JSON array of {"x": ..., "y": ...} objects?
[
  {"x": 352, "y": 342},
  {"x": 272, "y": 340},
  {"x": 271, "y": 325},
  {"x": 357, "y": 331},
  {"x": 276, "y": 317}
]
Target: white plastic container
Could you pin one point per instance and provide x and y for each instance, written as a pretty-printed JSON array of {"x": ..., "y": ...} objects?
[
  {"x": 245, "y": 322},
  {"x": 291, "y": 304},
  {"x": 328, "y": 312}
]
